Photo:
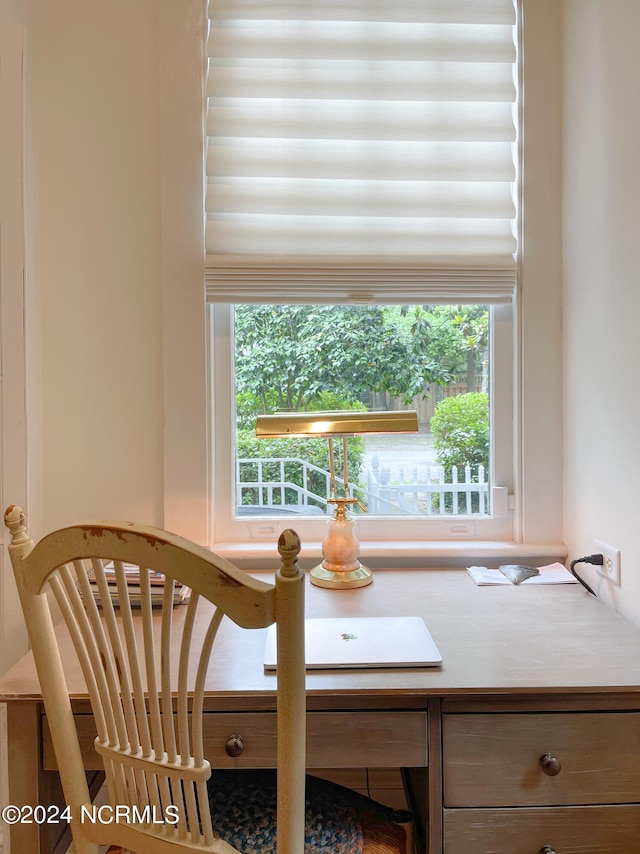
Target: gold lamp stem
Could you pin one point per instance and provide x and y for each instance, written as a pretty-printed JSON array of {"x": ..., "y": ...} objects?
[
  {"x": 345, "y": 467},
  {"x": 332, "y": 469}
]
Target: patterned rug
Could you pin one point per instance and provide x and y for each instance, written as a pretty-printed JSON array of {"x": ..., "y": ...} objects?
[{"x": 243, "y": 811}]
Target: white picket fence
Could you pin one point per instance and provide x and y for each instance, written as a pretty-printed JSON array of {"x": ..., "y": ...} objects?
[
  {"x": 268, "y": 484},
  {"x": 425, "y": 490}
]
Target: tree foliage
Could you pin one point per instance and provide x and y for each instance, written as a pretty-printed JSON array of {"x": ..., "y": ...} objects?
[
  {"x": 288, "y": 356},
  {"x": 455, "y": 336},
  {"x": 460, "y": 427}
]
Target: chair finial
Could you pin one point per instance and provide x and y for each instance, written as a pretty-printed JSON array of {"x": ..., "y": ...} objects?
[
  {"x": 289, "y": 548},
  {"x": 14, "y": 520}
]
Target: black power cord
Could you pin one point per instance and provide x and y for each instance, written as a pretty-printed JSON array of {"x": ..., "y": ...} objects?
[{"x": 595, "y": 560}]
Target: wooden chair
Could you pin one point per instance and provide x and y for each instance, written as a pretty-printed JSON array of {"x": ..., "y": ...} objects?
[{"x": 148, "y": 714}]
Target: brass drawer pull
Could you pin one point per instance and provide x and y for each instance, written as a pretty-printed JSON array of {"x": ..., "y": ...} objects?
[
  {"x": 234, "y": 745},
  {"x": 550, "y": 765},
  {"x": 547, "y": 849}
]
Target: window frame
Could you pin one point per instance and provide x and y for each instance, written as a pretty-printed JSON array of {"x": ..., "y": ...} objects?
[{"x": 374, "y": 530}]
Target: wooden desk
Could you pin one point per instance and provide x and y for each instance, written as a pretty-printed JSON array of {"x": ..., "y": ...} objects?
[{"x": 526, "y": 672}]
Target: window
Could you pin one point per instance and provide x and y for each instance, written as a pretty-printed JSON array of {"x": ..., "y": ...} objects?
[
  {"x": 363, "y": 157},
  {"x": 401, "y": 480},
  {"x": 306, "y": 358}
]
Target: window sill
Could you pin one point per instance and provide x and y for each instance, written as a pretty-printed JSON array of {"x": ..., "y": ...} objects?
[{"x": 404, "y": 555}]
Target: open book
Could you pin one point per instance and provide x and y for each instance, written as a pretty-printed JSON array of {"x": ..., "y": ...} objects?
[{"x": 554, "y": 573}]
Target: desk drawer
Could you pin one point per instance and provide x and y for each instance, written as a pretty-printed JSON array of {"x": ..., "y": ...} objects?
[
  {"x": 334, "y": 739},
  {"x": 495, "y": 760},
  {"x": 605, "y": 830}
]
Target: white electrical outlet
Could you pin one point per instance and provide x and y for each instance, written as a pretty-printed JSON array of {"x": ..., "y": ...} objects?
[{"x": 611, "y": 566}]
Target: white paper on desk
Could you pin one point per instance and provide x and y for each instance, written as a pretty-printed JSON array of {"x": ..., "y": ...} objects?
[{"x": 554, "y": 573}]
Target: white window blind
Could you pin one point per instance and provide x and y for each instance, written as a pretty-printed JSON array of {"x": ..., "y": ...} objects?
[{"x": 361, "y": 150}]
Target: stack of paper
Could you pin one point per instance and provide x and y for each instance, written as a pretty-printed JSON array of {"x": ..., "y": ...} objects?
[
  {"x": 181, "y": 593},
  {"x": 554, "y": 573}
]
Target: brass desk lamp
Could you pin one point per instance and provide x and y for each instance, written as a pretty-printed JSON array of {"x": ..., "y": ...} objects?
[{"x": 340, "y": 568}]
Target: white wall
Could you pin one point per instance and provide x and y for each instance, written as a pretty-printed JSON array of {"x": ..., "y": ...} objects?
[
  {"x": 17, "y": 11},
  {"x": 540, "y": 365},
  {"x": 601, "y": 292},
  {"x": 118, "y": 219},
  {"x": 97, "y": 162},
  {"x": 22, "y": 13},
  {"x": 94, "y": 286}
]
